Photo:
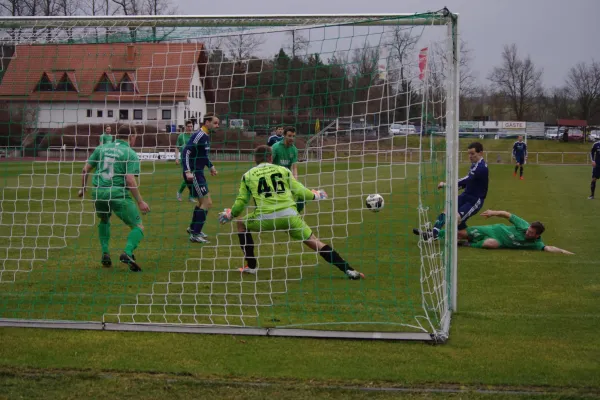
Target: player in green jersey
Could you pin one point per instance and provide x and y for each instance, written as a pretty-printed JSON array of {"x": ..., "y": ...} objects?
[
  {"x": 116, "y": 166},
  {"x": 274, "y": 190},
  {"x": 521, "y": 235},
  {"x": 107, "y": 136},
  {"x": 181, "y": 142},
  {"x": 285, "y": 153}
]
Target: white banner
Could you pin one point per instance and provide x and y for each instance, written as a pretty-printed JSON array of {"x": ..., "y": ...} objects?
[
  {"x": 163, "y": 155},
  {"x": 468, "y": 124},
  {"x": 513, "y": 124}
]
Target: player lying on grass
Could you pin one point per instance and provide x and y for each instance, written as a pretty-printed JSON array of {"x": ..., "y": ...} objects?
[
  {"x": 116, "y": 166},
  {"x": 274, "y": 190},
  {"x": 521, "y": 235}
]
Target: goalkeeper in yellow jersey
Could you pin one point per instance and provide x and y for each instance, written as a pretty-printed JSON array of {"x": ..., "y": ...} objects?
[{"x": 274, "y": 190}]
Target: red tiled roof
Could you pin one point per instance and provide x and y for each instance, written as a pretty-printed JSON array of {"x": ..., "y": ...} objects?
[
  {"x": 160, "y": 71},
  {"x": 571, "y": 122}
]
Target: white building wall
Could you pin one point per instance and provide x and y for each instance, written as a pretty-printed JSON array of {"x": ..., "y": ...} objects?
[
  {"x": 196, "y": 107},
  {"x": 56, "y": 115}
]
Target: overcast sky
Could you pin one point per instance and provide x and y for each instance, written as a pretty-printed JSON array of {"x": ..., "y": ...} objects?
[{"x": 555, "y": 33}]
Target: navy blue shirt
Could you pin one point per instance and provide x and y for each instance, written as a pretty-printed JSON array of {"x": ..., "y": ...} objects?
[
  {"x": 476, "y": 182},
  {"x": 520, "y": 149},
  {"x": 595, "y": 153},
  {"x": 274, "y": 139},
  {"x": 195, "y": 153}
]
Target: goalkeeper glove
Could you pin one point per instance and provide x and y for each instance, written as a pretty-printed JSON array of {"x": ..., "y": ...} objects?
[
  {"x": 319, "y": 194},
  {"x": 225, "y": 216}
]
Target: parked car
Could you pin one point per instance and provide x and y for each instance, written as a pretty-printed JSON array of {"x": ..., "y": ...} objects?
[
  {"x": 595, "y": 135},
  {"x": 552, "y": 133},
  {"x": 402, "y": 129},
  {"x": 575, "y": 135}
]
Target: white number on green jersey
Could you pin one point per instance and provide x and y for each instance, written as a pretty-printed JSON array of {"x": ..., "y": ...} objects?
[{"x": 108, "y": 168}]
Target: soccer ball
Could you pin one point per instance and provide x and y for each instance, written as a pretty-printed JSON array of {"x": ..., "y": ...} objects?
[{"x": 374, "y": 202}]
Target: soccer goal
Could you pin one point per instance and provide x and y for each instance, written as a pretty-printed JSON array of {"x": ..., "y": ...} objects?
[{"x": 374, "y": 103}]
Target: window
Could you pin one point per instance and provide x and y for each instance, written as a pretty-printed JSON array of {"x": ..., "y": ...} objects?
[
  {"x": 109, "y": 113},
  {"x": 65, "y": 84},
  {"x": 124, "y": 114},
  {"x": 199, "y": 92},
  {"x": 104, "y": 84},
  {"x": 192, "y": 91},
  {"x": 44, "y": 85},
  {"x": 138, "y": 114},
  {"x": 99, "y": 113},
  {"x": 166, "y": 114},
  {"x": 151, "y": 114},
  {"x": 88, "y": 113},
  {"x": 126, "y": 85}
]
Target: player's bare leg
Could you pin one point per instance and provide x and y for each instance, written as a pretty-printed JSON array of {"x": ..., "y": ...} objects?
[
  {"x": 490, "y": 244},
  {"x": 332, "y": 257},
  {"x": 592, "y": 188}
]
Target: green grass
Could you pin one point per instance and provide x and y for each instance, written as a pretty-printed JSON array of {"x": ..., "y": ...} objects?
[
  {"x": 527, "y": 321},
  {"x": 191, "y": 283}
]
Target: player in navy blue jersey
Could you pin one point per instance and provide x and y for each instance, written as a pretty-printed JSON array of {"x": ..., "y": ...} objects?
[
  {"x": 195, "y": 159},
  {"x": 276, "y": 137},
  {"x": 595, "y": 156},
  {"x": 470, "y": 201},
  {"x": 519, "y": 153}
]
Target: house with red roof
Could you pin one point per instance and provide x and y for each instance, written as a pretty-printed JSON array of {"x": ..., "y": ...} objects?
[{"x": 156, "y": 84}]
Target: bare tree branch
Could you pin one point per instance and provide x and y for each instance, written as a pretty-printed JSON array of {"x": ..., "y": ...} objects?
[
  {"x": 583, "y": 84},
  {"x": 402, "y": 46},
  {"x": 518, "y": 80},
  {"x": 243, "y": 46},
  {"x": 299, "y": 44}
]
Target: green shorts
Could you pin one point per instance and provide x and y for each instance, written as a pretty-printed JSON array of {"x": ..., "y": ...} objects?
[
  {"x": 295, "y": 225},
  {"x": 480, "y": 233},
  {"x": 124, "y": 207}
]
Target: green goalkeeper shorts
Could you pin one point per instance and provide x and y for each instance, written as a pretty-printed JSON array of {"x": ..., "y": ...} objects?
[
  {"x": 124, "y": 208},
  {"x": 295, "y": 225}
]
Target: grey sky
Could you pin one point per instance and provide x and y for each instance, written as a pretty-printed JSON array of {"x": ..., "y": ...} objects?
[{"x": 557, "y": 34}]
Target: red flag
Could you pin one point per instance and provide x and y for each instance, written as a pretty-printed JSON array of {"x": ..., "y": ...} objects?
[{"x": 422, "y": 62}]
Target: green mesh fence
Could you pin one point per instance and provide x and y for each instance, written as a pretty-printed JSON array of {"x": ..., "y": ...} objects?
[{"x": 371, "y": 117}]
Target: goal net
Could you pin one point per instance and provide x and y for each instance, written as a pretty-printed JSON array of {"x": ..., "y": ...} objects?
[{"x": 373, "y": 100}]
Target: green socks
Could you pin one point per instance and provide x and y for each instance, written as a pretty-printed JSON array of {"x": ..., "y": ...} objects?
[
  {"x": 104, "y": 234},
  {"x": 134, "y": 238},
  {"x": 182, "y": 187}
]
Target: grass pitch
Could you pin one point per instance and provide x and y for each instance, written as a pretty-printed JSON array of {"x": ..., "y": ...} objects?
[{"x": 527, "y": 321}]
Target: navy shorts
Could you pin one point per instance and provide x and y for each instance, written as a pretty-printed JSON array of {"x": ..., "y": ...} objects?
[
  {"x": 467, "y": 207},
  {"x": 520, "y": 160},
  {"x": 596, "y": 172},
  {"x": 198, "y": 186}
]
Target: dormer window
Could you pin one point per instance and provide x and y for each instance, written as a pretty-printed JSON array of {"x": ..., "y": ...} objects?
[
  {"x": 44, "y": 85},
  {"x": 104, "y": 84},
  {"x": 126, "y": 85},
  {"x": 65, "y": 84}
]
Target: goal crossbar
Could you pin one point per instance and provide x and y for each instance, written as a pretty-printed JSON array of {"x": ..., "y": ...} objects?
[{"x": 431, "y": 18}]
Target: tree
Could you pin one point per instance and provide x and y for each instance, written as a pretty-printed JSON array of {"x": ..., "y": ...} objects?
[
  {"x": 518, "y": 80},
  {"x": 401, "y": 45},
  {"x": 299, "y": 43},
  {"x": 583, "y": 84},
  {"x": 243, "y": 46}
]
